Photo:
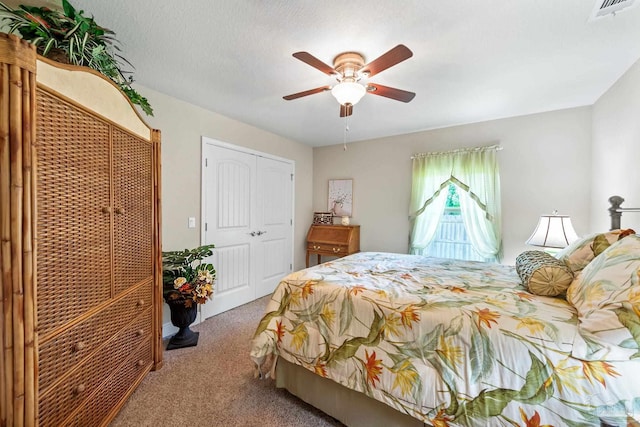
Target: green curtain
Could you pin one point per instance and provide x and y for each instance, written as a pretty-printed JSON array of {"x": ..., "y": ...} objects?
[{"x": 475, "y": 172}]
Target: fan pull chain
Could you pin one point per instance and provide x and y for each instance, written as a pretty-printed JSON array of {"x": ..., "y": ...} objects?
[{"x": 346, "y": 129}]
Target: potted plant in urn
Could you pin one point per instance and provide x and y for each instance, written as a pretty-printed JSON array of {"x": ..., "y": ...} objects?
[{"x": 187, "y": 282}]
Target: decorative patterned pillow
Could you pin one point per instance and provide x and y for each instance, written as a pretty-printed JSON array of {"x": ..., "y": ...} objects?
[
  {"x": 580, "y": 253},
  {"x": 606, "y": 295},
  {"x": 542, "y": 274}
]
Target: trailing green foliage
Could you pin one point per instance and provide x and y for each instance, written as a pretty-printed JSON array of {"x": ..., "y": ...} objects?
[{"x": 69, "y": 36}]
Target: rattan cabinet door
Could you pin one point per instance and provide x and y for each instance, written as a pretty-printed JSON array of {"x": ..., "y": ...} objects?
[
  {"x": 74, "y": 219},
  {"x": 133, "y": 214}
]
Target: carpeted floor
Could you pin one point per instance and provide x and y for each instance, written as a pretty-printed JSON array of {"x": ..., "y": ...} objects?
[{"x": 212, "y": 384}]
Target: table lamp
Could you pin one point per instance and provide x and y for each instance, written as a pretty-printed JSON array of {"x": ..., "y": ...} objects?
[{"x": 553, "y": 232}]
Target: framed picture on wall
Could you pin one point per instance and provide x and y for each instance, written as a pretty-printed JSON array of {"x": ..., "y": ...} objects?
[{"x": 340, "y": 197}]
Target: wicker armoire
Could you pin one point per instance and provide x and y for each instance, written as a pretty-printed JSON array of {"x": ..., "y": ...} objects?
[{"x": 80, "y": 257}]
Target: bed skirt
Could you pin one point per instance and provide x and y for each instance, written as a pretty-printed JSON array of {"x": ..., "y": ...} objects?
[{"x": 350, "y": 407}]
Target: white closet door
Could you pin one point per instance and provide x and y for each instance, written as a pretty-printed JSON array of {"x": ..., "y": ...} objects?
[
  {"x": 247, "y": 214},
  {"x": 274, "y": 215},
  {"x": 229, "y": 200}
]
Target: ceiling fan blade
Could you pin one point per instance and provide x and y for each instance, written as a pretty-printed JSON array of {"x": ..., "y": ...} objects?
[
  {"x": 306, "y": 92},
  {"x": 390, "y": 92},
  {"x": 346, "y": 110},
  {"x": 389, "y": 59},
  {"x": 309, "y": 59}
]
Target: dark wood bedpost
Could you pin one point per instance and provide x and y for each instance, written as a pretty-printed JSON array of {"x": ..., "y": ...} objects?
[{"x": 615, "y": 212}]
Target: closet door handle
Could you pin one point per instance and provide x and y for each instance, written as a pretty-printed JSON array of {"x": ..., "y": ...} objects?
[
  {"x": 106, "y": 209},
  {"x": 252, "y": 234},
  {"x": 260, "y": 233},
  {"x": 119, "y": 211}
]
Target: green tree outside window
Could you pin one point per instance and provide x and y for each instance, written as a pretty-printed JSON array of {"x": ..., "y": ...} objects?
[{"x": 453, "y": 200}]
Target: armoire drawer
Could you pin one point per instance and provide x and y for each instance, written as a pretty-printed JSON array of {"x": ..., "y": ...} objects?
[
  {"x": 62, "y": 352},
  {"x": 60, "y": 400},
  {"x": 97, "y": 409}
]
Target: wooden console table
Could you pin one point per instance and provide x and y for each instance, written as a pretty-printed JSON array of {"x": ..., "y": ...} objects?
[{"x": 333, "y": 240}]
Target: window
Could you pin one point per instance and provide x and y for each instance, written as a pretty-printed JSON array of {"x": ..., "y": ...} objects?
[
  {"x": 453, "y": 192},
  {"x": 451, "y": 239}
]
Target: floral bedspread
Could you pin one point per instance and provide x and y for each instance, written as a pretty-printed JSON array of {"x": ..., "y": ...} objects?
[{"x": 452, "y": 343}]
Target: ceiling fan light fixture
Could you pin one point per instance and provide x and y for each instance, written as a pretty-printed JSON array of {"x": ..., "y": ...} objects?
[
  {"x": 349, "y": 69},
  {"x": 348, "y": 92}
]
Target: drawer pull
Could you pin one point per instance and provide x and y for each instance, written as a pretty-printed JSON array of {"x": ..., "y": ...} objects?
[
  {"x": 316, "y": 247},
  {"x": 79, "y": 346},
  {"x": 140, "y": 302},
  {"x": 140, "y": 362},
  {"x": 140, "y": 332},
  {"x": 78, "y": 389},
  {"x": 336, "y": 250}
]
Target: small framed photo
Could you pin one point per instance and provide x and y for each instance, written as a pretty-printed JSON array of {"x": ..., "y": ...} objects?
[{"x": 340, "y": 197}]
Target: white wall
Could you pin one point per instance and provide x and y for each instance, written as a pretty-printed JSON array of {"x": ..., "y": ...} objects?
[
  {"x": 545, "y": 165},
  {"x": 616, "y": 150}
]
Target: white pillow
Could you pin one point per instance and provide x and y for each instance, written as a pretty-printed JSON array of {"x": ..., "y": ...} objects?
[
  {"x": 580, "y": 253},
  {"x": 606, "y": 295}
]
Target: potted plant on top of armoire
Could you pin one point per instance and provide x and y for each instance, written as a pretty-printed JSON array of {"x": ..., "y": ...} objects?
[{"x": 68, "y": 36}]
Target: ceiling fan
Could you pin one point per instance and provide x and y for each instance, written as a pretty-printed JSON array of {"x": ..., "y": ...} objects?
[{"x": 348, "y": 69}]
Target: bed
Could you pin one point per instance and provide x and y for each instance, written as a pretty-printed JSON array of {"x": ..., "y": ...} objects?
[{"x": 392, "y": 339}]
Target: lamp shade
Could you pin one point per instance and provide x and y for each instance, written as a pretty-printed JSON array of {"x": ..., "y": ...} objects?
[
  {"x": 348, "y": 92},
  {"x": 553, "y": 231}
]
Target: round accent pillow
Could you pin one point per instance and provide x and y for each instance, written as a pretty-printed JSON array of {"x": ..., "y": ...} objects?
[{"x": 542, "y": 274}]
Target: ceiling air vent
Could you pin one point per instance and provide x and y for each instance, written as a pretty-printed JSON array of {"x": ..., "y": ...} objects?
[{"x": 603, "y": 8}]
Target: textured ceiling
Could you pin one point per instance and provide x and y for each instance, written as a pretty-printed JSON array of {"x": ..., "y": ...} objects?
[{"x": 472, "y": 60}]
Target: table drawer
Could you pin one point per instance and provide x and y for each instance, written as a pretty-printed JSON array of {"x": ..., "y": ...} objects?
[
  {"x": 60, "y": 400},
  {"x": 59, "y": 354},
  {"x": 327, "y": 248}
]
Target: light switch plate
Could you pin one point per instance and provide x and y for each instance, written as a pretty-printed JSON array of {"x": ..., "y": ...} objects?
[{"x": 192, "y": 222}]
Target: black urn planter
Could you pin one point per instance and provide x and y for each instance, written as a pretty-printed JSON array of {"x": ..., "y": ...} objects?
[{"x": 182, "y": 317}]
